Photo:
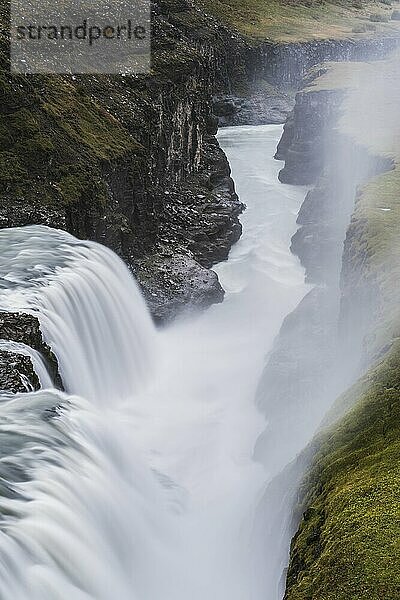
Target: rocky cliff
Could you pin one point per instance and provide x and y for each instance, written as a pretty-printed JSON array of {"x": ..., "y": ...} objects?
[
  {"x": 301, "y": 378},
  {"x": 274, "y": 72},
  {"x": 17, "y": 372},
  {"x": 345, "y": 543},
  {"x": 131, "y": 162}
]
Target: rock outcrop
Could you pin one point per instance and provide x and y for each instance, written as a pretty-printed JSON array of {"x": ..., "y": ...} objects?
[
  {"x": 17, "y": 372},
  {"x": 298, "y": 383},
  {"x": 273, "y": 74}
]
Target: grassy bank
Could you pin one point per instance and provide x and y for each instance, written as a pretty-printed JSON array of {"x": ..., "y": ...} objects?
[{"x": 297, "y": 20}]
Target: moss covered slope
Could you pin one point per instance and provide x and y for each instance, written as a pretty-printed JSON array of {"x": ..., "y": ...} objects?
[{"x": 348, "y": 546}]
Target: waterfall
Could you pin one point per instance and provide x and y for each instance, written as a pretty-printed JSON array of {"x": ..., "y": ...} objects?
[
  {"x": 89, "y": 307},
  {"x": 86, "y": 518},
  {"x": 83, "y": 515},
  {"x": 138, "y": 482}
]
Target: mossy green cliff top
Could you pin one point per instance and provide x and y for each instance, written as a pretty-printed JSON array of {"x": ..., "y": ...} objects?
[{"x": 303, "y": 20}]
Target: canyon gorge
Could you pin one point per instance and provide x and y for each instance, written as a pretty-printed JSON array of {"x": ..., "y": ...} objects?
[{"x": 199, "y": 356}]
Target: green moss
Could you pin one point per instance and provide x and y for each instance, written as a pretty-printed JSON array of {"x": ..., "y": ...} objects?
[
  {"x": 348, "y": 542},
  {"x": 11, "y": 170},
  {"x": 83, "y": 121},
  {"x": 55, "y": 140}
]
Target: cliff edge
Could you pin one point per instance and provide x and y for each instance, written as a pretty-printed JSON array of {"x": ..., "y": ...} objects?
[{"x": 347, "y": 543}]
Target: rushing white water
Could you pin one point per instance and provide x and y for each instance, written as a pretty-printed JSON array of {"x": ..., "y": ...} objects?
[
  {"x": 141, "y": 484},
  {"x": 89, "y": 307}
]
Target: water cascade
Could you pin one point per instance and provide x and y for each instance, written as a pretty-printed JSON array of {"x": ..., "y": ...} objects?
[{"x": 139, "y": 482}]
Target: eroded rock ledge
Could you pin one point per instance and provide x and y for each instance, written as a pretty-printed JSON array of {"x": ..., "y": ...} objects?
[{"x": 17, "y": 373}]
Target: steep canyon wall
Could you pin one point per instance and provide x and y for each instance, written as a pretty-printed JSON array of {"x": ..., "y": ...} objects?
[{"x": 349, "y": 245}]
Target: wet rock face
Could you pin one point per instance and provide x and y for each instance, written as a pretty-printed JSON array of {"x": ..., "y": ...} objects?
[
  {"x": 259, "y": 109},
  {"x": 316, "y": 241},
  {"x": 298, "y": 381},
  {"x": 287, "y": 137},
  {"x": 206, "y": 210},
  {"x": 181, "y": 285},
  {"x": 16, "y": 370},
  {"x": 326, "y": 211},
  {"x": 205, "y": 224},
  {"x": 317, "y": 154},
  {"x": 17, "y": 374},
  {"x": 304, "y": 142},
  {"x": 177, "y": 277}
]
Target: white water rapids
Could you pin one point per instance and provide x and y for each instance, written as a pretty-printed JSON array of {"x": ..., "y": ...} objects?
[{"x": 139, "y": 482}]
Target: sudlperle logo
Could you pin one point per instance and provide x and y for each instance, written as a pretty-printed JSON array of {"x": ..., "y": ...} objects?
[{"x": 80, "y": 36}]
